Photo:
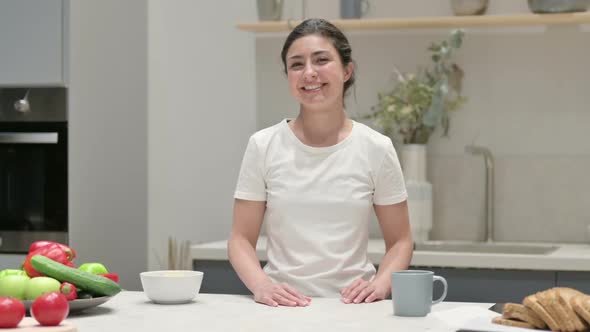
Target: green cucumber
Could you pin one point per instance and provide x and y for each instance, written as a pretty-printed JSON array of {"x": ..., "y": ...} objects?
[{"x": 90, "y": 282}]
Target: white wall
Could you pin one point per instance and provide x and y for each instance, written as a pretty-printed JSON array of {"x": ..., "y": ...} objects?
[
  {"x": 201, "y": 100},
  {"x": 201, "y": 113},
  {"x": 528, "y": 102},
  {"x": 108, "y": 135}
]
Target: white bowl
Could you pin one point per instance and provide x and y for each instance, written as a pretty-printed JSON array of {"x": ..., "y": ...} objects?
[{"x": 171, "y": 286}]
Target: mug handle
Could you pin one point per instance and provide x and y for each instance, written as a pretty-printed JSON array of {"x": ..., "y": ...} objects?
[{"x": 444, "y": 294}]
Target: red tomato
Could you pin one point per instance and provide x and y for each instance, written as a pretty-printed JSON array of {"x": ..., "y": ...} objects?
[
  {"x": 50, "y": 309},
  {"x": 69, "y": 291},
  {"x": 12, "y": 312}
]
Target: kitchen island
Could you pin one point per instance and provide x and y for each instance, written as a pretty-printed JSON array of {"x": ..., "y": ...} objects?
[{"x": 133, "y": 311}]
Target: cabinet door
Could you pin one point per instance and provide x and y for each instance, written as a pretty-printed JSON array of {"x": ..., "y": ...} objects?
[
  {"x": 492, "y": 286},
  {"x": 31, "y": 40},
  {"x": 220, "y": 277},
  {"x": 577, "y": 280}
]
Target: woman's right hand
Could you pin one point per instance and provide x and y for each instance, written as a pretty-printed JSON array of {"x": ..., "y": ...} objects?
[{"x": 275, "y": 294}]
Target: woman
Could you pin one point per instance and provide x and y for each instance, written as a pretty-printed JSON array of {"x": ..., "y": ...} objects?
[{"x": 314, "y": 180}]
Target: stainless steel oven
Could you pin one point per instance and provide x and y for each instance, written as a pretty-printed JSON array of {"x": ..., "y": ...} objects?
[{"x": 33, "y": 173}]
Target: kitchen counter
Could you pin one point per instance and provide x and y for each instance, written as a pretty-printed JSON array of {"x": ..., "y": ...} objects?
[
  {"x": 132, "y": 311},
  {"x": 568, "y": 257}
]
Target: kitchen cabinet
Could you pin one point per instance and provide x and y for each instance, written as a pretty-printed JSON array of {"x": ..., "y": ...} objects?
[
  {"x": 32, "y": 42},
  {"x": 220, "y": 278},
  {"x": 490, "y": 285},
  {"x": 435, "y": 22},
  {"x": 573, "y": 279},
  {"x": 465, "y": 285}
]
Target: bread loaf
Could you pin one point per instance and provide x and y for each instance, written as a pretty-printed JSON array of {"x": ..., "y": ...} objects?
[
  {"x": 532, "y": 302},
  {"x": 511, "y": 322},
  {"x": 524, "y": 314},
  {"x": 559, "y": 308},
  {"x": 581, "y": 305}
]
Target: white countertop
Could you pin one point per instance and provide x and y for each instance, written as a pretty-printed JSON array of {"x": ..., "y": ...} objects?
[
  {"x": 568, "y": 257},
  {"x": 132, "y": 311}
]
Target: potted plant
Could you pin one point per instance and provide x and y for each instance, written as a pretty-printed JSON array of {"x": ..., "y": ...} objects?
[
  {"x": 409, "y": 115},
  {"x": 411, "y": 111}
]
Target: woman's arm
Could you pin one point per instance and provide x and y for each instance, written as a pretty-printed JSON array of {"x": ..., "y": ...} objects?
[
  {"x": 247, "y": 221},
  {"x": 395, "y": 226},
  {"x": 241, "y": 248}
]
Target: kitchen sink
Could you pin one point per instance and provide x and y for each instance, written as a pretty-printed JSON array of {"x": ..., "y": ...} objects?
[{"x": 486, "y": 248}]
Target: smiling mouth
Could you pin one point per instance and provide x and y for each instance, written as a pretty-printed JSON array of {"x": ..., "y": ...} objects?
[{"x": 313, "y": 88}]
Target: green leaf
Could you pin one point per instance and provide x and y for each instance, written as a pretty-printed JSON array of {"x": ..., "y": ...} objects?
[
  {"x": 433, "y": 47},
  {"x": 435, "y": 111},
  {"x": 420, "y": 102},
  {"x": 456, "y": 38}
]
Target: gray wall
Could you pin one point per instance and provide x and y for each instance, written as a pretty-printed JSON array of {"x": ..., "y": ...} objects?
[
  {"x": 11, "y": 261},
  {"x": 108, "y": 135}
]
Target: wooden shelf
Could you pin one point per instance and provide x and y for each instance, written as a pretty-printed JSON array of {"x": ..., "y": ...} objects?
[{"x": 431, "y": 22}]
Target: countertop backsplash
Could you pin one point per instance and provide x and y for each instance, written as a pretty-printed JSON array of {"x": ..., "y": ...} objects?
[{"x": 537, "y": 198}]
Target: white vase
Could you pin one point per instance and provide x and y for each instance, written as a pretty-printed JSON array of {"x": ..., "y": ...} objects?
[{"x": 413, "y": 161}]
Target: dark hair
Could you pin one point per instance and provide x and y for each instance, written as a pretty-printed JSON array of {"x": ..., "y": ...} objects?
[{"x": 321, "y": 27}]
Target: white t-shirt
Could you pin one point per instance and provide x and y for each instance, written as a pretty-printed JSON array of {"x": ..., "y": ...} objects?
[{"x": 319, "y": 202}]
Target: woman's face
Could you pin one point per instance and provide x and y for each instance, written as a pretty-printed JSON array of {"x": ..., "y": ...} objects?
[{"x": 315, "y": 72}]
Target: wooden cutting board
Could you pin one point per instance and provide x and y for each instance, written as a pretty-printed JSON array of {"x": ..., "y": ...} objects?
[{"x": 29, "y": 324}]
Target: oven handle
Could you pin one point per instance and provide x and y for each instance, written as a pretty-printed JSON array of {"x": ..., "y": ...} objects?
[{"x": 28, "y": 138}]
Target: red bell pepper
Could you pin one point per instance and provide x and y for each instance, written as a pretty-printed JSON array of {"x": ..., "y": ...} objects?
[
  {"x": 40, "y": 244},
  {"x": 69, "y": 290},
  {"x": 113, "y": 276},
  {"x": 53, "y": 251}
]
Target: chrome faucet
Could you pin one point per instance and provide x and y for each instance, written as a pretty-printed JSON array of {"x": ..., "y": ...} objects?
[{"x": 489, "y": 194}]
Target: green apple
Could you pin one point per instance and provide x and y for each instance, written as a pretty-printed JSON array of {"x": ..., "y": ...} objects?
[
  {"x": 14, "y": 286},
  {"x": 94, "y": 268},
  {"x": 11, "y": 272},
  {"x": 41, "y": 285}
]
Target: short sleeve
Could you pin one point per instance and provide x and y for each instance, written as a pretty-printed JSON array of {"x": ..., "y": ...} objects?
[
  {"x": 389, "y": 183},
  {"x": 251, "y": 185}
]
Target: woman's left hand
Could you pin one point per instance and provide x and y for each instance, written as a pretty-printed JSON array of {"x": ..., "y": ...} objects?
[{"x": 365, "y": 291}]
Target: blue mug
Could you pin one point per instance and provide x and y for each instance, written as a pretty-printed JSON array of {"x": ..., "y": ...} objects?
[{"x": 411, "y": 292}]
